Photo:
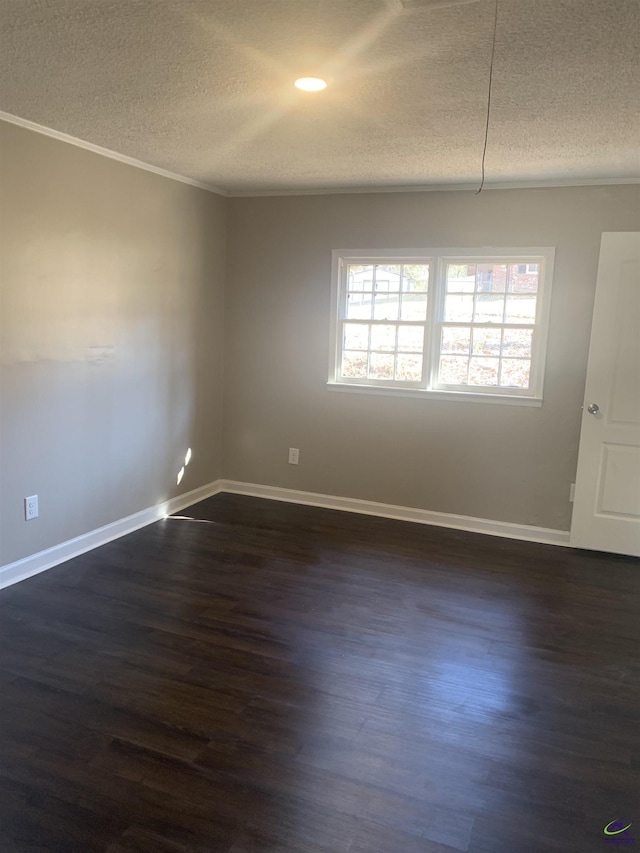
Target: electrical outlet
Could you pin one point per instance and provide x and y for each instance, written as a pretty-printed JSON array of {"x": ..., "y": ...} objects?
[
  {"x": 572, "y": 492},
  {"x": 30, "y": 507},
  {"x": 294, "y": 456}
]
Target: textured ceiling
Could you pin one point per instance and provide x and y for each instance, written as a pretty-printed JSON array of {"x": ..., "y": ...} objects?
[{"x": 203, "y": 88}]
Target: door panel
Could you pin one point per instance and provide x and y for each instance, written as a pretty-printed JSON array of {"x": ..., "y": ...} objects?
[
  {"x": 606, "y": 510},
  {"x": 619, "y": 477},
  {"x": 625, "y": 406}
]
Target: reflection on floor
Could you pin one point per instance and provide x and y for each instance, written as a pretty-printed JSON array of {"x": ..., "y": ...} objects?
[{"x": 286, "y": 678}]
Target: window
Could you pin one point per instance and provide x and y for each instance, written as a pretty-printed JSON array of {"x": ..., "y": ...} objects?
[{"x": 461, "y": 324}]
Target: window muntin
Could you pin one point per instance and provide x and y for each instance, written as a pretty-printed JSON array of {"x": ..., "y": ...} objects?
[
  {"x": 486, "y": 331},
  {"x": 382, "y": 322},
  {"x": 467, "y": 322}
]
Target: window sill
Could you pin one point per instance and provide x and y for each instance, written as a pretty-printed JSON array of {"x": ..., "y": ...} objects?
[{"x": 420, "y": 393}]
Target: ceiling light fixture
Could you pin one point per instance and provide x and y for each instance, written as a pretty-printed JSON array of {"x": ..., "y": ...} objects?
[{"x": 310, "y": 84}]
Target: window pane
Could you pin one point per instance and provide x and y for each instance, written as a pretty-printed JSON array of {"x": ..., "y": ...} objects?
[
  {"x": 486, "y": 342},
  {"x": 409, "y": 368},
  {"x": 360, "y": 277},
  {"x": 414, "y": 306},
  {"x": 388, "y": 277},
  {"x": 354, "y": 365},
  {"x": 488, "y": 308},
  {"x": 453, "y": 370},
  {"x": 486, "y": 328},
  {"x": 515, "y": 373},
  {"x": 455, "y": 340},
  {"x": 517, "y": 342},
  {"x": 386, "y": 306},
  {"x": 491, "y": 278},
  {"x": 383, "y": 338},
  {"x": 356, "y": 336},
  {"x": 458, "y": 309},
  {"x": 415, "y": 278},
  {"x": 521, "y": 309},
  {"x": 381, "y": 366},
  {"x": 461, "y": 278},
  {"x": 410, "y": 338},
  {"x": 359, "y": 306},
  {"x": 523, "y": 278},
  {"x": 483, "y": 371}
]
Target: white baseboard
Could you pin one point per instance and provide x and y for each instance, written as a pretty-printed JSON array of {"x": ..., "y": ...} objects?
[
  {"x": 528, "y": 533},
  {"x": 47, "y": 559},
  {"x": 43, "y": 560}
]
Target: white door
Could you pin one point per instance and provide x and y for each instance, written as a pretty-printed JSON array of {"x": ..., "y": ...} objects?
[{"x": 606, "y": 509}]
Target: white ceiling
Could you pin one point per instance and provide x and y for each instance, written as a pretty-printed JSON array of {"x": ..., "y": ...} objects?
[{"x": 203, "y": 88}]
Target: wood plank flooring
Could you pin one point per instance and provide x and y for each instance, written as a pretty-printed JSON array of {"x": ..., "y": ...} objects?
[{"x": 269, "y": 677}]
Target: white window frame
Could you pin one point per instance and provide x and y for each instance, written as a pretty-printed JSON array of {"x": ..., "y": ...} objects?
[{"x": 438, "y": 259}]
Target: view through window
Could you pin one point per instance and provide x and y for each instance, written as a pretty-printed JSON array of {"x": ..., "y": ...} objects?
[{"x": 468, "y": 323}]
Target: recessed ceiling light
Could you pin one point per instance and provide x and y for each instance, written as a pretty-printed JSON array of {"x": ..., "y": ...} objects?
[{"x": 310, "y": 84}]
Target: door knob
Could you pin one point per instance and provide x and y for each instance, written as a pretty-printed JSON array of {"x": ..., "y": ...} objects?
[{"x": 593, "y": 408}]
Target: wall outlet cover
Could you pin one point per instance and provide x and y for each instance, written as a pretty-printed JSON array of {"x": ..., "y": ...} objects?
[{"x": 30, "y": 507}]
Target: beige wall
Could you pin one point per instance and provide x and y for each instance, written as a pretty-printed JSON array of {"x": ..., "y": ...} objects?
[
  {"x": 111, "y": 318},
  {"x": 490, "y": 461}
]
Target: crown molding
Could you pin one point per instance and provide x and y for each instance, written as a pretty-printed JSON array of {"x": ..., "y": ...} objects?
[
  {"x": 107, "y": 152},
  {"x": 453, "y": 187},
  {"x": 466, "y": 186}
]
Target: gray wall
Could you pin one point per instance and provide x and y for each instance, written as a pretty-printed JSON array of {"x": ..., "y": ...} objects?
[
  {"x": 111, "y": 319},
  {"x": 490, "y": 461},
  {"x": 111, "y": 324}
]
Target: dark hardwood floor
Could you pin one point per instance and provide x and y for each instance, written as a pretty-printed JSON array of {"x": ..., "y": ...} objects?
[{"x": 271, "y": 677}]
